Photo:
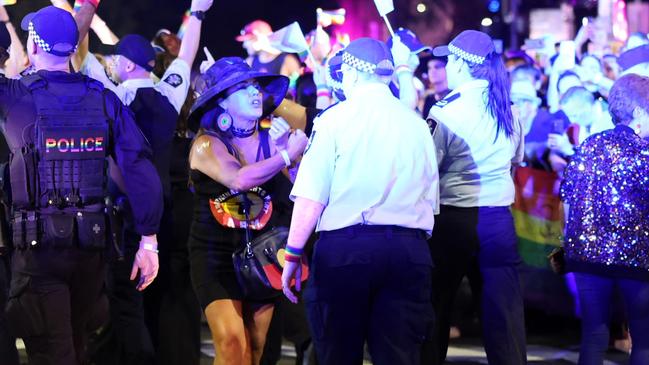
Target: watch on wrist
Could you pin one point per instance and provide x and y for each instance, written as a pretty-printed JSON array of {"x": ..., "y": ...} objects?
[{"x": 198, "y": 14}]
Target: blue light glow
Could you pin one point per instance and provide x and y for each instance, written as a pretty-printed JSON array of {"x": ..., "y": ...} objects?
[{"x": 494, "y": 6}]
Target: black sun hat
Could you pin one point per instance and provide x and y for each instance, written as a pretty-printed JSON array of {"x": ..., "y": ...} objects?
[{"x": 229, "y": 71}]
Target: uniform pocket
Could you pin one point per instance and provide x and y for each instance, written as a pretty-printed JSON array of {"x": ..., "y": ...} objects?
[
  {"x": 92, "y": 230},
  {"x": 24, "y": 314},
  {"x": 58, "y": 230}
]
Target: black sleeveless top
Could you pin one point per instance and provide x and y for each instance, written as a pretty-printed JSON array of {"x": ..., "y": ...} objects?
[
  {"x": 272, "y": 67},
  {"x": 219, "y": 212}
]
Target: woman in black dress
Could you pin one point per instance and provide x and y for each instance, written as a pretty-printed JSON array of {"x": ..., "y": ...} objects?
[{"x": 234, "y": 167}]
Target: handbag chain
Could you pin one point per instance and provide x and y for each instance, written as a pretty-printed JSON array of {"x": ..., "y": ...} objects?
[{"x": 245, "y": 206}]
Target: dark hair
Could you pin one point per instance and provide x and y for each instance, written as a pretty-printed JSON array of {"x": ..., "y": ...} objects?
[
  {"x": 564, "y": 75},
  {"x": 528, "y": 70},
  {"x": 499, "y": 104},
  {"x": 182, "y": 124},
  {"x": 4, "y": 57},
  {"x": 628, "y": 92},
  {"x": 577, "y": 93},
  {"x": 162, "y": 62}
]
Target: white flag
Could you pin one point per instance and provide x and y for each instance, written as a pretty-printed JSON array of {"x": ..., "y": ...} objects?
[
  {"x": 384, "y": 6},
  {"x": 290, "y": 39}
]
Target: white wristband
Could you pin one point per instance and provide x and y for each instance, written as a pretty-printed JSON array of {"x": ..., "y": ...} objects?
[
  {"x": 149, "y": 247},
  {"x": 287, "y": 160}
]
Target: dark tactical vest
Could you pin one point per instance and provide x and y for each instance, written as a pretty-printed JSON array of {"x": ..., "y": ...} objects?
[{"x": 59, "y": 182}]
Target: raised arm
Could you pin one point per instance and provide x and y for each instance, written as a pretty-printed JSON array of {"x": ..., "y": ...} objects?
[
  {"x": 17, "y": 56},
  {"x": 192, "y": 37}
]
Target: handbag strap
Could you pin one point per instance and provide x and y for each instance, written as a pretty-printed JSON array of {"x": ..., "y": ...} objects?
[{"x": 245, "y": 206}]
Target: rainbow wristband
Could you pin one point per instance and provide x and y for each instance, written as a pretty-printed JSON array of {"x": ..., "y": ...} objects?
[
  {"x": 293, "y": 254},
  {"x": 292, "y": 258},
  {"x": 294, "y": 250}
]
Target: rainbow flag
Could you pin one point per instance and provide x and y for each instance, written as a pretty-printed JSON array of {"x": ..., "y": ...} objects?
[
  {"x": 330, "y": 17},
  {"x": 290, "y": 39},
  {"x": 183, "y": 25},
  {"x": 538, "y": 214}
]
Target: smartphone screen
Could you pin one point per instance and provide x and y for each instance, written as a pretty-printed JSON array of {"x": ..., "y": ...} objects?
[
  {"x": 557, "y": 126},
  {"x": 567, "y": 50}
]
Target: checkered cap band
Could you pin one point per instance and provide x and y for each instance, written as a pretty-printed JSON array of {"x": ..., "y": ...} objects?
[
  {"x": 358, "y": 64},
  {"x": 465, "y": 55},
  {"x": 39, "y": 41},
  {"x": 335, "y": 84}
]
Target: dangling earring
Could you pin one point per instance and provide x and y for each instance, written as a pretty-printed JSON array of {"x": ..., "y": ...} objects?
[
  {"x": 637, "y": 129},
  {"x": 224, "y": 121}
]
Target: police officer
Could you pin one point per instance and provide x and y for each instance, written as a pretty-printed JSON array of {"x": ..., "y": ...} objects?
[
  {"x": 8, "y": 352},
  {"x": 62, "y": 129},
  {"x": 156, "y": 106},
  {"x": 369, "y": 181},
  {"x": 477, "y": 141}
]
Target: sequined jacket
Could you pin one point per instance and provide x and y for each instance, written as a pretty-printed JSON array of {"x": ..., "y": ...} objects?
[{"x": 606, "y": 186}]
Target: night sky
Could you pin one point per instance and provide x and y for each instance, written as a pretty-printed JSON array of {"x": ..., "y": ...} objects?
[{"x": 224, "y": 20}]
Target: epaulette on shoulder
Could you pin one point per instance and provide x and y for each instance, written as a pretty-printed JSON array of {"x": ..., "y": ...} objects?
[
  {"x": 447, "y": 100},
  {"x": 325, "y": 109}
]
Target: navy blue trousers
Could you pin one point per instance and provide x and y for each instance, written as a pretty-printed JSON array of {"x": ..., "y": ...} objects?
[
  {"x": 595, "y": 297},
  {"x": 479, "y": 243},
  {"x": 52, "y": 297},
  {"x": 8, "y": 352},
  {"x": 370, "y": 284}
]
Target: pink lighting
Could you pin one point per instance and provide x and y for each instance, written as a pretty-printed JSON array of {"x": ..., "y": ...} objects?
[{"x": 620, "y": 22}]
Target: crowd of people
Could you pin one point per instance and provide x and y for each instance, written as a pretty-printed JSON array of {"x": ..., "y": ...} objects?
[{"x": 134, "y": 176}]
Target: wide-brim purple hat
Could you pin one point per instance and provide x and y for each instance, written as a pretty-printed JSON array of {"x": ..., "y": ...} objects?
[{"x": 229, "y": 71}]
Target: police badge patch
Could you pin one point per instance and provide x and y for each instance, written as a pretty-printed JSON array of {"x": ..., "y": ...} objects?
[{"x": 174, "y": 80}]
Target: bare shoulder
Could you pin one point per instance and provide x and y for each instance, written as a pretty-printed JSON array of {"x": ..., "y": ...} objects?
[{"x": 206, "y": 147}]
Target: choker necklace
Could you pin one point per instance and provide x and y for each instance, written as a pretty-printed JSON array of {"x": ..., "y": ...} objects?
[{"x": 243, "y": 133}]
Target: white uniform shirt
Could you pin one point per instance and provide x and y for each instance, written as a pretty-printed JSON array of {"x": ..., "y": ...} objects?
[
  {"x": 174, "y": 83},
  {"x": 370, "y": 160},
  {"x": 474, "y": 165}
]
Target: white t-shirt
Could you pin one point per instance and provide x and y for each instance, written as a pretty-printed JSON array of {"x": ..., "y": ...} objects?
[{"x": 174, "y": 83}]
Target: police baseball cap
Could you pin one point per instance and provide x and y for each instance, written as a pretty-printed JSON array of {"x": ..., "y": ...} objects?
[
  {"x": 53, "y": 30},
  {"x": 253, "y": 28},
  {"x": 368, "y": 55},
  {"x": 471, "y": 45},
  {"x": 409, "y": 38},
  {"x": 633, "y": 57},
  {"x": 137, "y": 49}
]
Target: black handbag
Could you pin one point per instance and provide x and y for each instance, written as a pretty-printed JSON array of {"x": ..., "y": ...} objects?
[
  {"x": 259, "y": 263},
  {"x": 557, "y": 260}
]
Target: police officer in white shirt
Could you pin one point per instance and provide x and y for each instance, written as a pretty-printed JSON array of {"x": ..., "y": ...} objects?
[
  {"x": 369, "y": 180},
  {"x": 156, "y": 107},
  {"x": 477, "y": 140}
]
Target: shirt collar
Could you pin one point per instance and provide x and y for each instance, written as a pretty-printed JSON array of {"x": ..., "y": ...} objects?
[
  {"x": 134, "y": 84},
  {"x": 473, "y": 84},
  {"x": 370, "y": 87}
]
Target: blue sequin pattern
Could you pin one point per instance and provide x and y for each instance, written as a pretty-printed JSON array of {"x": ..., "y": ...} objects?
[{"x": 606, "y": 185}]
